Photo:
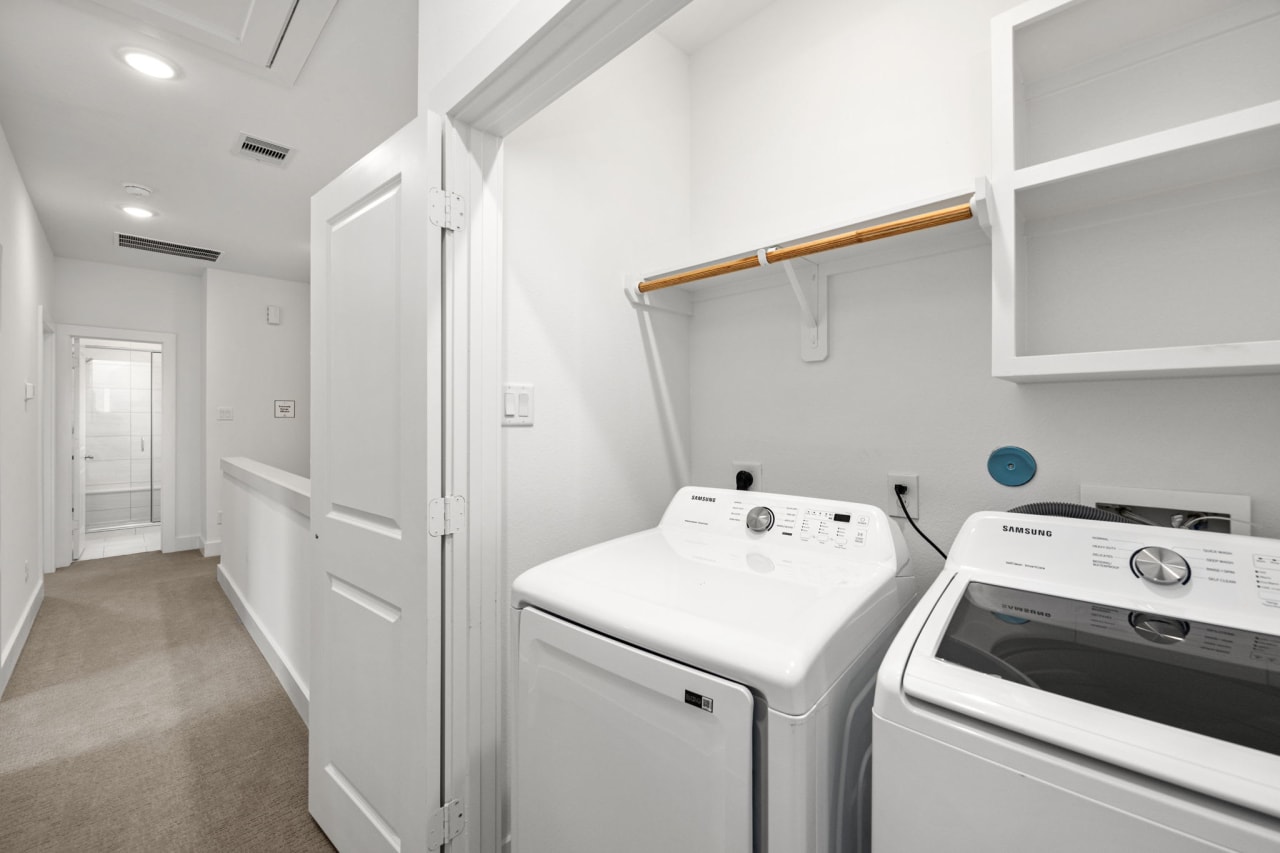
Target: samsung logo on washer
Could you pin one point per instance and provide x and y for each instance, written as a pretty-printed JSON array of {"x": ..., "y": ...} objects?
[
  {"x": 1029, "y": 531},
  {"x": 1013, "y": 608},
  {"x": 703, "y": 498}
]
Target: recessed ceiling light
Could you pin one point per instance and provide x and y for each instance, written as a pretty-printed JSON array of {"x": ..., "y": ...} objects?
[
  {"x": 149, "y": 64},
  {"x": 137, "y": 212}
]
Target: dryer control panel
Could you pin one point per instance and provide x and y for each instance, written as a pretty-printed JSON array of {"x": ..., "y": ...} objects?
[{"x": 837, "y": 526}]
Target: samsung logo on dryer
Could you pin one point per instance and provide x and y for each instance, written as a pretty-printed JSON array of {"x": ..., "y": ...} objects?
[
  {"x": 1028, "y": 531},
  {"x": 703, "y": 498}
]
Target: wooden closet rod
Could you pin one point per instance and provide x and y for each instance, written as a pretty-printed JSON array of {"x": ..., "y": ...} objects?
[{"x": 919, "y": 222}]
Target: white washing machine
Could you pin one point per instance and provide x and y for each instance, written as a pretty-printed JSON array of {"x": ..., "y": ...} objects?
[
  {"x": 1070, "y": 685},
  {"x": 705, "y": 686}
]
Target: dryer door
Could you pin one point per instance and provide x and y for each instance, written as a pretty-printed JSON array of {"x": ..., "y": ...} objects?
[{"x": 618, "y": 749}]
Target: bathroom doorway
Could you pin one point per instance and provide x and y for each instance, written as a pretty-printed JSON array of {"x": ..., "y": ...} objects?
[
  {"x": 118, "y": 428},
  {"x": 114, "y": 431}
]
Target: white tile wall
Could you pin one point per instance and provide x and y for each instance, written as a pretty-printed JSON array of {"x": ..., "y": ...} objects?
[
  {"x": 99, "y": 423},
  {"x": 144, "y": 498},
  {"x": 140, "y": 375},
  {"x": 94, "y": 501},
  {"x": 109, "y": 374},
  {"x": 96, "y": 519},
  {"x": 106, "y": 472},
  {"x": 104, "y": 447}
]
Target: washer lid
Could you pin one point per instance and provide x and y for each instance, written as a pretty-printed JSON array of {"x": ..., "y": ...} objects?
[
  {"x": 784, "y": 611},
  {"x": 1187, "y": 702}
]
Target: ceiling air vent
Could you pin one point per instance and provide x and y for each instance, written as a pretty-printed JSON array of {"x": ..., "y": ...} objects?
[
  {"x": 132, "y": 241},
  {"x": 260, "y": 149}
]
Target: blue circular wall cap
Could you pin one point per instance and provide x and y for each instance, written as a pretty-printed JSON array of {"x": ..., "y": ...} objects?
[{"x": 1011, "y": 466}]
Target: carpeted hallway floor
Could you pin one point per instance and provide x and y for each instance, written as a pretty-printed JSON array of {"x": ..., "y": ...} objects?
[{"x": 141, "y": 717}]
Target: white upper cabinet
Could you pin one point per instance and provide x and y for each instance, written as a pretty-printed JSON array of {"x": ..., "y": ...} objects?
[{"x": 1136, "y": 189}]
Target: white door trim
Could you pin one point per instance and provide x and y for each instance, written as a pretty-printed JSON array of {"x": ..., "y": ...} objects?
[
  {"x": 62, "y": 434},
  {"x": 476, "y": 609}
]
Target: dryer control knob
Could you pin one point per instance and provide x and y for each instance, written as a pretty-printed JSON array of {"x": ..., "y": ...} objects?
[
  {"x": 760, "y": 519},
  {"x": 1160, "y": 565}
]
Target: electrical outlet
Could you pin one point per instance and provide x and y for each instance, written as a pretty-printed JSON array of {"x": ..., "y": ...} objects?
[
  {"x": 219, "y": 516},
  {"x": 911, "y": 498},
  {"x": 26, "y": 570},
  {"x": 755, "y": 469}
]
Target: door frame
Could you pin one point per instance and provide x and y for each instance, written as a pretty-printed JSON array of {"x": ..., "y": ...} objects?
[
  {"x": 539, "y": 51},
  {"x": 63, "y": 448},
  {"x": 475, "y": 597},
  {"x": 47, "y": 395}
]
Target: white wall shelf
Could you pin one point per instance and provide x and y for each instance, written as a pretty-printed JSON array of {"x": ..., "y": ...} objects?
[
  {"x": 809, "y": 278},
  {"x": 1090, "y": 73},
  {"x": 1135, "y": 247}
]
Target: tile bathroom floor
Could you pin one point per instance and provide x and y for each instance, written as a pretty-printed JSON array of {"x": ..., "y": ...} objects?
[{"x": 117, "y": 543}]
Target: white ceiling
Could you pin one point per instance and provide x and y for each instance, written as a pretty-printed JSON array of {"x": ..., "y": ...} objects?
[{"x": 81, "y": 123}]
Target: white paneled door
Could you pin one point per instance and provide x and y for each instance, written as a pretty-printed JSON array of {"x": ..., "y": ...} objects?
[{"x": 375, "y": 701}]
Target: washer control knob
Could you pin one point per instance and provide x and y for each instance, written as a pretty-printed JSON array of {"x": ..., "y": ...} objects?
[
  {"x": 1163, "y": 630},
  {"x": 1160, "y": 565},
  {"x": 760, "y": 519}
]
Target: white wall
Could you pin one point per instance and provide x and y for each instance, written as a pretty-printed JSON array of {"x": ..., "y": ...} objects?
[
  {"x": 447, "y": 32},
  {"x": 266, "y": 564},
  {"x": 26, "y": 273},
  {"x": 908, "y": 389},
  {"x": 249, "y": 365},
  {"x": 118, "y": 297},
  {"x": 890, "y": 101},
  {"x": 815, "y": 111},
  {"x": 596, "y": 189}
]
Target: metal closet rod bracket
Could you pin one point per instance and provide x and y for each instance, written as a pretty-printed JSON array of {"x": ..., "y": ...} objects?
[{"x": 809, "y": 286}]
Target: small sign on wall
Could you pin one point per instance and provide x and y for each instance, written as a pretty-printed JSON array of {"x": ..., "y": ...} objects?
[{"x": 285, "y": 409}]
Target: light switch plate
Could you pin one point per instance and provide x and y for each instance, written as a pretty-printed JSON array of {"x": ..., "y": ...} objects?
[
  {"x": 226, "y": 413},
  {"x": 517, "y": 405}
]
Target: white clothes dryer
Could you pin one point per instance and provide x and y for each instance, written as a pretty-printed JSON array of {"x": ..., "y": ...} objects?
[
  {"x": 705, "y": 686},
  {"x": 1070, "y": 685}
]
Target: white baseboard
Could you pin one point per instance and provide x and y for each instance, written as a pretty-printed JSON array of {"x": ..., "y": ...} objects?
[
  {"x": 211, "y": 547},
  {"x": 186, "y": 543},
  {"x": 13, "y": 650},
  {"x": 298, "y": 692}
]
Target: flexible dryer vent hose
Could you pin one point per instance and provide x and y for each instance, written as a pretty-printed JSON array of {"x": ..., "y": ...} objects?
[{"x": 1069, "y": 510}]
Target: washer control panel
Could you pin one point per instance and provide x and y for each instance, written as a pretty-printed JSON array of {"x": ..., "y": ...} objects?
[{"x": 1223, "y": 572}]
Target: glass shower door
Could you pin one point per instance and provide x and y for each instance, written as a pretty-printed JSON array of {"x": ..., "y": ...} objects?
[{"x": 121, "y": 434}]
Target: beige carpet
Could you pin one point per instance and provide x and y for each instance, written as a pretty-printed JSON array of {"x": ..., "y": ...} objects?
[{"x": 141, "y": 717}]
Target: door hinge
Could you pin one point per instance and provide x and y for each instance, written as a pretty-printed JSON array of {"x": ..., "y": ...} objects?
[
  {"x": 446, "y": 825},
  {"x": 446, "y": 516},
  {"x": 445, "y": 209}
]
